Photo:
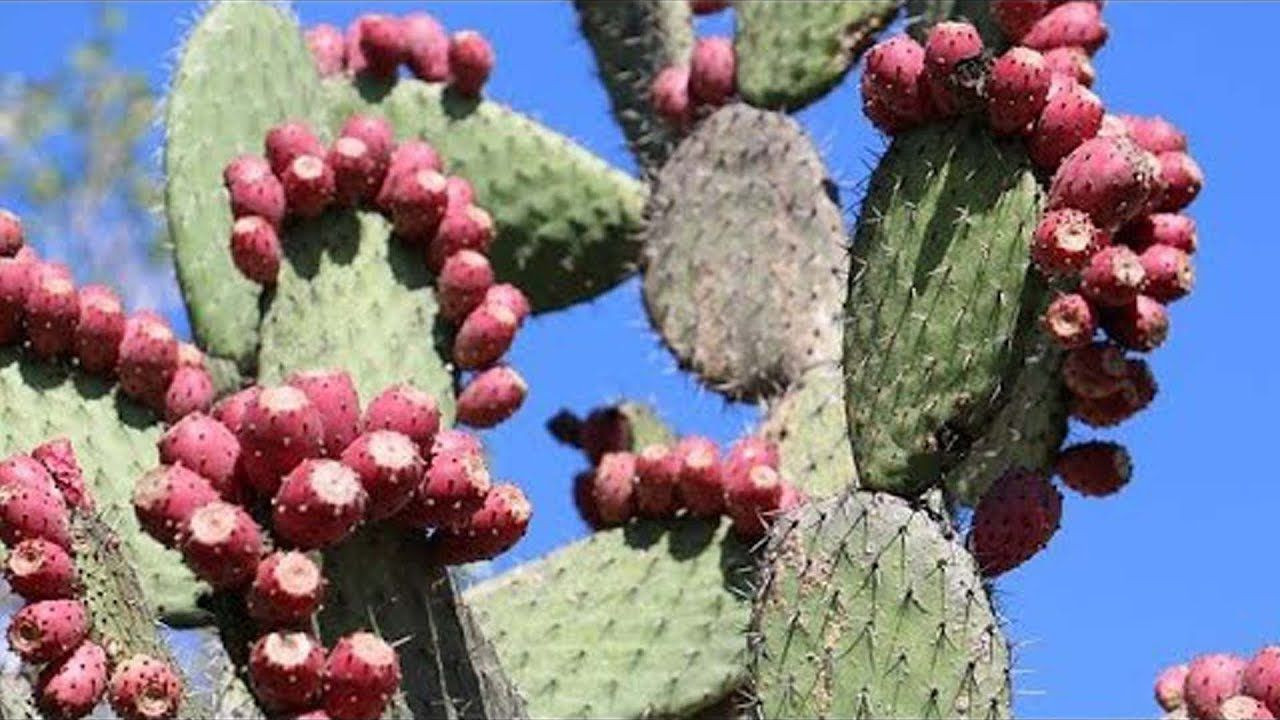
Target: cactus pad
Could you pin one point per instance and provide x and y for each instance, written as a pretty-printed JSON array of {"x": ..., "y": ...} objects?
[
  {"x": 808, "y": 422},
  {"x": 640, "y": 621},
  {"x": 16, "y": 701},
  {"x": 940, "y": 301},
  {"x": 791, "y": 53},
  {"x": 869, "y": 609},
  {"x": 745, "y": 255}
]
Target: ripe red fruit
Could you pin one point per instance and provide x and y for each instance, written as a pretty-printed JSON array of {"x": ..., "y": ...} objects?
[
  {"x": 1071, "y": 24},
  {"x": 231, "y": 410},
  {"x": 15, "y": 283},
  {"x": 491, "y": 397},
  {"x": 462, "y": 228},
  {"x": 490, "y": 531},
  {"x": 1013, "y": 521},
  {"x": 255, "y": 249},
  {"x": 377, "y": 135},
  {"x": 99, "y": 330},
  {"x": 470, "y": 62},
  {"x": 408, "y": 411},
  {"x": 1016, "y": 17},
  {"x": 52, "y": 310},
  {"x": 459, "y": 191},
  {"x": 37, "y": 569},
  {"x": 48, "y": 630},
  {"x": 417, "y": 202},
  {"x": 1243, "y": 707},
  {"x": 29, "y": 511},
  {"x": 333, "y": 394},
  {"x": 286, "y": 142},
  {"x": 20, "y": 471},
  {"x": 282, "y": 427},
  {"x": 510, "y": 297},
  {"x": 949, "y": 44},
  {"x": 72, "y": 687},
  {"x": 1017, "y": 90},
  {"x": 484, "y": 337},
  {"x": 613, "y": 488},
  {"x": 1154, "y": 134},
  {"x": 1212, "y": 679},
  {"x": 1094, "y": 468},
  {"x": 1072, "y": 62},
  {"x": 328, "y": 49},
  {"x": 209, "y": 448},
  {"x": 712, "y": 72},
  {"x": 1072, "y": 115},
  {"x": 892, "y": 85},
  {"x": 1113, "y": 277},
  {"x": 318, "y": 504},
  {"x": 286, "y": 670},
  {"x": 383, "y": 44},
  {"x": 1070, "y": 321},
  {"x": 1095, "y": 371},
  {"x": 221, "y": 544},
  {"x": 669, "y": 95},
  {"x": 390, "y": 469},
  {"x": 357, "y": 176},
  {"x": 1182, "y": 179},
  {"x": 148, "y": 358},
  {"x": 191, "y": 390},
  {"x": 1064, "y": 241},
  {"x": 254, "y": 190},
  {"x": 1135, "y": 393},
  {"x": 701, "y": 477},
  {"x": 287, "y": 590},
  {"x": 657, "y": 479},
  {"x": 1168, "y": 689},
  {"x": 1262, "y": 677},
  {"x": 1141, "y": 325},
  {"x": 584, "y": 499},
  {"x": 746, "y": 453},
  {"x": 464, "y": 279},
  {"x": 428, "y": 47},
  {"x": 145, "y": 688},
  {"x": 454, "y": 485},
  {"x": 361, "y": 674},
  {"x": 605, "y": 430},
  {"x": 707, "y": 7},
  {"x": 1172, "y": 229},
  {"x": 12, "y": 237},
  {"x": 309, "y": 185},
  {"x": 59, "y": 460},
  {"x": 752, "y": 498},
  {"x": 406, "y": 159},
  {"x": 1111, "y": 179}
]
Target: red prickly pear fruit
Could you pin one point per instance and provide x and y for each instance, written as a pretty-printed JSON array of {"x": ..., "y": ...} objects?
[
  {"x": 1182, "y": 179},
  {"x": 892, "y": 84},
  {"x": 99, "y": 330},
  {"x": 377, "y": 135},
  {"x": 613, "y": 488},
  {"x": 464, "y": 228},
  {"x": 707, "y": 7},
  {"x": 464, "y": 279},
  {"x": 191, "y": 390},
  {"x": 319, "y": 503},
  {"x": 712, "y": 72},
  {"x": 286, "y": 670},
  {"x": 1135, "y": 394},
  {"x": 408, "y": 411},
  {"x": 1154, "y": 134},
  {"x": 166, "y": 497},
  {"x": 1243, "y": 707},
  {"x": 389, "y": 467},
  {"x": 1113, "y": 277},
  {"x": 231, "y": 410},
  {"x": 20, "y": 471},
  {"x": 206, "y": 446},
  {"x": 1095, "y": 371},
  {"x": 752, "y": 499},
  {"x": 333, "y": 394},
  {"x": 1072, "y": 115},
  {"x": 1142, "y": 325},
  {"x": 383, "y": 44},
  {"x": 510, "y": 297},
  {"x": 417, "y": 202},
  {"x": 1211, "y": 679},
  {"x": 460, "y": 192},
  {"x": 491, "y": 397},
  {"x": 454, "y": 485},
  {"x": 222, "y": 544},
  {"x": 48, "y": 630},
  {"x": 37, "y": 569},
  {"x": 1262, "y": 677},
  {"x": 144, "y": 688},
  {"x": 254, "y": 190},
  {"x": 328, "y": 49},
  {"x": 15, "y": 283},
  {"x": 470, "y": 62},
  {"x": 1072, "y": 62},
  {"x": 669, "y": 95},
  {"x": 1094, "y": 468},
  {"x": 1070, "y": 321},
  {"x": 605, "y": 430},
  {"x": 1016, "y": 17},
  {"x": 31, "y": 510},
  {"x": 355, "y": 61},
  {"x": 1013, "y": 521},
  {"x": 484, "y": 337},
  {"x": 12, "y": 237},
  {"x": 286, "y": 591},
  {"x": 949, "y": 44},
  {"x": 191, "y": 356},
  {"x": 148, "y": 358},
  {"x": 282, "y": 427},
  {"x": 356, "y": 176},
  {"x": 52, "y": 311},
  {"x": 73, "y": 687},
  {"x": 701, "y": 477},
  {"x": 255, "y": 250},
  {"x": 1017, "y": 90},
  {"x": 1071, "y": 24},
  {"x": 288, "y": 141},
  {"x": 406, "y": 159},
  {"x": 1168, "y": 688},
  {"x": 1111, "y": 179},
  {"x": 1172, "y": 229},
  {"x": 492, "y": 530},
  {"x": 59, "y": 460},
  {"x": 317, "y": 714},
  {"x": 584, "y": 499},
  {"x": 1112, "y": 126},
  {"x": 361, "y": 674},
  {"x": 747, "y": 453},
  {"x": 428, "y": 47},
  {"x": 1064, "y": 241},
  {"x": 309, "y": 185},
  {"x": 657, "y": 479}
]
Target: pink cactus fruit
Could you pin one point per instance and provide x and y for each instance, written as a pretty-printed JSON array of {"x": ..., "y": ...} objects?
[
  {"x": 15, "y": 283},
  {"x": 356, "y": 64},
  {"x": 1136, "y": 392},
  {"x": 484, "y": 337},
  {"x": 949, "y": 44},
  {"x": 287, "y": 589},
  {"x": 19, "y": 471},
  {"x": 59, "y": 460},
  {"x": 377, "y": 135},
  {"x": 1072, "y": 62},
  {"x": 72, "y": 687},
  {"x": 33, "y": 510},
  {"x": 99, "y": 330},
  {"x": 288, "y": 141},
  {"x": 389, "y": 467},
  {"x": 584, "y": 499},
  {"x": 1064, "y": 241},
  {"x": 1113, "y": 277},
  {"x": 165, "y": 498},
  {"x": 206, "y": 446},
  {"x": 1072, "y": 115},
  {"x": 316, "y": 714},
  {"x": 491, "y": 397},
  {"x": 669, "y": 95},
  {"x": 1070, "y": 24},
  {"x": 1016, "y": 17},
  {"x": 657, "y": 481},
  {"x": 893, "y": 86},
  {"x": 459, "y": 191},
  {"x": 712, "y": 72},
  {"x": 1210, "y": 680},
  {"x": 333, "y": 394},
  {"x": 462, "y": 228},
  {"x": 1168, "y": 689},
  {"x": 255, "y": 250},
  {"x": 328, "y": 49},
  {"x": 254, "y": 190},
  {"x": 191, "y": 390},
  {"x": 405, "y": 160},
  {"x": 356, "y": 176},
  {"x": 1243, "y": 707},
  {"x": 1154, "y": 134},
  {"x": 605, "y": 430},
  {"x": 427, "y": 47},
  {"x": 361, "y": 674},
  {"x": 1172, "y": 230},
  {"x": 309, "y": 185},
  {"x": 1182, "y": 179},
  {"x": 383, "y": 44},
  {"x": 281, "y": 428},
  {"x": 148, "y": 358},
  {"x": 464, "y": 279},
  {"x": 1095, "y": 371},
  {"x": 286, "y": 670},
  {"x": 748, "y": 452},
  {"x": 510, "y": 297},
  {"x": 613, "y": 488},
  {"x": 490, "y": 531},
  {"x": 470, "y": 62},
  {"x": 408, "y": 411},
  {"x": 12, "y": 237},
  {"x": 1111, "y": 179},
  {"x": 319, "y": 503},
  {"x": 1013, "y": 521},
  {"x": 1142, "y": 325},
  {"x": 48, "y": 630},
  {"x": 455, "y": 484},
  {"x": 1017, "y": 90},
  {"x": 145, "y": 688},
  {"x": 1070, "y": 321},
  {"x": 1095, "y": 468},
  {"x": 231, "y": 410},
  {"x": 52, "y": 312},
  {"x": 752, "y": 498},
  {"x": 222, "y": 544},
  {"x": 37, "y": 569},
  {"x": 1262, "y": 677},
  {"x": 417, "y": 202},
  {"x": 701, "y": 476}
]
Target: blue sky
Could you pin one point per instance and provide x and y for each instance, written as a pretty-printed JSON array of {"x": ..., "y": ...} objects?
[{"x": 1180, "y": 562}]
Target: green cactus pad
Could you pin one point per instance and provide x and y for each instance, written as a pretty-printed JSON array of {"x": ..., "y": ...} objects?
[
  {"x": 633, "y": 42},
  {"x": 351, "y": 296},
  {"x": 641, "y": 621},
  {"x": 869, "y": 609},
  {"x": 808, "y": 422},
  {"x": 565, "y": 220},
  {"x": 790, "y": 54},
  {"x": 646, "y": 427},
  {"x": 244, "y": 68},
  {"x": 114, "y": 440},
  {"x": 16, "y": 700},
  {"x": 939, "y": 303},
  {"x": 745, "y": 256}
]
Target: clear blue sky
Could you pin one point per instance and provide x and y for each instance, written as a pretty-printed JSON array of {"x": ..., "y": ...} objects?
[{"x": 1182, "y": 561}]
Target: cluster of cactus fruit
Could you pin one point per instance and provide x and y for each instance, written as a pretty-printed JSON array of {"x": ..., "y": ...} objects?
[
  {"x": 1222, "y": 686},
  {"x": 928, "y": 364}
]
